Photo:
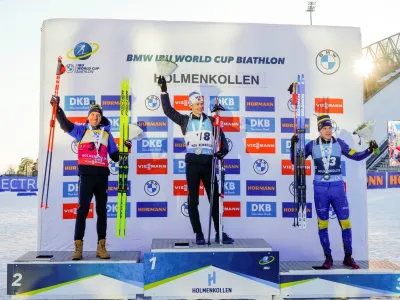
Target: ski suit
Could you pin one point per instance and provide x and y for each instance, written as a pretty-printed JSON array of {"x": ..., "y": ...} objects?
[
  {"x": 93, "y": 173},
  {"x": 331, "y": 192},
  {"x": 198, "y": 167}
]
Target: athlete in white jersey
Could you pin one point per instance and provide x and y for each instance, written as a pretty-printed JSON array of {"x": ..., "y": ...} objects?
[{"x": 197, "y": 128}]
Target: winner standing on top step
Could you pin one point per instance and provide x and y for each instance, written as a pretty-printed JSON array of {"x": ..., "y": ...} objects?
[{"x": 198, "y": 132}]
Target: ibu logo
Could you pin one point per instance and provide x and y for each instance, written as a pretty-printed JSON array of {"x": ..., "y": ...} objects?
[
  {"x": 232, "y": 187},
  {"x": 179, "y": 166},
  {"x": 260, "y": 124},
  {"x": 79, "y": 103},
  {"x": 230, "y": 103},
  {"x": 261, "y": 209},
  {"x": 112, "y": 210},
  {"x": 70, "y": 189},
  {"x": 152, "y": 145}
]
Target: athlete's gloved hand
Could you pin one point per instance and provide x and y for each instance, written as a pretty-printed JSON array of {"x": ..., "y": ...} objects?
[
  {"x": 372, "y": 145},
  {"x": 162, "y": 83},
  {"x": 293, "y": 141},
  {"x": 128, "y": 144},
  {"x": 55, "y": 100},
  {"x": 219, "y": 155}
]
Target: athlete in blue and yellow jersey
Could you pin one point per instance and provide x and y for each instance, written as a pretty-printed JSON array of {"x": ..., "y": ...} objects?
[
  {"x": 199, "y": 139},
  {"x": 95, "y": 141},
  {"x": 329, "y": 189}
]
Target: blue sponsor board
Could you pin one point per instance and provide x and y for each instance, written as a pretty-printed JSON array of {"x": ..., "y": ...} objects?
[
  {"x": 113, "y": 188},
  {"x": 287, "y": 125},
  {"x": 285, "y": 145},
  {"x": 18, "y": 183},
  {"x": 230, "y": 103},
  {"x": 289, "y": 210},
  {"x": 112, "y": 102},
  {"x": 393, "y": 179},
  {"x": 261, "y": 209},
  {"x": 70, "y": 189},
  {"x": 114, "y": 123},
  {"x": 153, "y": 124},
  {"x": 179, "y": 166},
  {"x": 70, "y": 168},
  {"x": 260, "y": 188},
  {"x": 254, "y": 124},
  {"x": 112, "y": 209},
  {"x": 179, "y": 145},
  {"x": 254, "y": 103},
  {"x": 78, "y": 103},
  {"x": 232, "y": 188},
  {"x": 376, "y": 180},
  {"x": 152, "y": 145},
  {"x": 232, "y": 166},
  {"x": 151, "y": 209}
]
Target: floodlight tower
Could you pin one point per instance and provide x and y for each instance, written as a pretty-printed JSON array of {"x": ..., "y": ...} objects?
[{"x": 311, "y": 9}]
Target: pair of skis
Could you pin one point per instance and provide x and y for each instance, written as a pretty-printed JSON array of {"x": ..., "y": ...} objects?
[
  {"x": 123, "y": 159},
  {"x": 50, "y": 143},
  {"x": 221, "y": 183},
  {"x": 297, "y": 89}
]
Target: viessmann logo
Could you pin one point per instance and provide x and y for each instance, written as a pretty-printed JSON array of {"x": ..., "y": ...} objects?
[
  {"x": 181, "y": 189},
  {"x": 231, "y": 209},
  {"x": 230, "y": 124},
  {"x": 287, "y": 167},
  {"x": 260, "y": 145},
  {"x": 181, "y": 102},
  {"x": 70, "y": 211},
  {"x": 152, "y": 166},
  {"x": 329, "y": 105}
]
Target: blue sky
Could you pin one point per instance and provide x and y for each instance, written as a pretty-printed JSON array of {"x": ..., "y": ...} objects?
[{"x": 21, "y": 20}]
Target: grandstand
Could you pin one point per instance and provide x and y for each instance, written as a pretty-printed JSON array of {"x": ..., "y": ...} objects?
[{"x": 381, "y": 90}]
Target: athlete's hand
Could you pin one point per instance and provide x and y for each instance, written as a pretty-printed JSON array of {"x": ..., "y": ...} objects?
[
  {"x": 162, "y": 83},
  {"x": 293, "y": 141},
  {"x": 219, "y": 155},
  {"x": 55, "y": 100},
  {"x": 128, "y": 144},
  {"x": 372, "y": 145}
]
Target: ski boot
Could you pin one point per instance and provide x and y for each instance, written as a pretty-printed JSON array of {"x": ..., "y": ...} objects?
[
  {"x": 328, "y": 262},
  {"x": 350, "y": 262},
  {"x": 226, "y": 239},
  {"x": 200, "y": 239}
]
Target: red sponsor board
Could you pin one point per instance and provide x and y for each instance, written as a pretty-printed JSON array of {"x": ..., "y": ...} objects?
[
  {"x": 287, "y": 167},
  {"x": 230, "y": 124},
  {"x": 181, "y": 189},
  {"x": 260, "y": 145},
  {"x": 231, "y": 209},
  {"x": 329, "y": 105},
  {"x": 70, "y": 209},
  {"x": 152, "y": 166}
]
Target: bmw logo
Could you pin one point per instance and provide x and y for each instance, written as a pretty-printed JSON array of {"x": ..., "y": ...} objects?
[
  {"x": 74, "y": 147},
  {"x": 113, "y": 166},
  {"x": 260, "y": 166},
  {"x": 69, "y": 68},
  {"x": 291, "y": 188},
  {"x": 151, "y": 187},
  {"x": 184, "y": 209},
  {"x": 152, "y": 102},
  {"x": 290, "y": 105},
  {"x": 328, "y": 62},
  {"x": 230, "y": 144}
]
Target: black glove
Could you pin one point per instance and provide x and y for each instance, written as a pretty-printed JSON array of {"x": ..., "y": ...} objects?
[
  {"x": 128, "y": 144},
  {"x": 293, "y": 141},
  {"x": 372, "y": 145},
  {"x": 55, "y": 100},
  {"x": 219, "y": 155},
  {"x": 162, "y": 83}
]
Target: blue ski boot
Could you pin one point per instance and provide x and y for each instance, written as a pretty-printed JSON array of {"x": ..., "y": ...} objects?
[
  {"x": 226, "y": 239},
  {"x": 200, "y": 239}
]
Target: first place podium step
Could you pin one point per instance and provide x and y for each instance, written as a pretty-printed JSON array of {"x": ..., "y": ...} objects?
[{"x": 180, "y": 269}]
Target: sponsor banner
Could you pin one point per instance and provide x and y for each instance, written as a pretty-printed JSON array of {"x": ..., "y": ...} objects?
[
  {"x": 152, "y": 145},
  {"x": 230, "y": 124},
  {"x": 232, "y": 166},
  {"x": 288, "y": 168},
  {"x": 181, "y": 189},
  {"x": 18, "y": 183},
  {"x": 376, "y": 180},
  {"x": 112, "y": 210},
  {"x": 70, "y": 168},
  {"x": 153, "y": 124},
  {"x": 153, "y": 166},
  {"x": 78, "y": 103},
  {"x": 232, "y": 187},
  {"x": 179, "y": 145},
  {"x": 260, "y": 145},
  {"x": 231, "y": 209},
  {"x": 329, "y": 106},
  {"x": 229, "y": 103},
  {"x": 113, "y": 188},
  {"x": 260, "y": 103},
  {"x": 112, "y": 102},
  {"x": 288, "y": 127},
  {"x": 181, "y": 102},
  {"x": 254, "y": 124},
  {"x": 179, "y": 166},
  {"x": 151, "y": 209},
  {"x": 114, "y": 123},
  {"x": 260, "y": 188},
  {"x": 289, "y": 210},
  {"x": 393, "y": 179},
  {"x": 70, "y": 211},
  {"x": 285, "y": 145},
  {"x": 261, "y": 209}
]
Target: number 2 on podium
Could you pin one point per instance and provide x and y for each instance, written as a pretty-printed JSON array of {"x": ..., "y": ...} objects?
[{"x": 153, "y": 262}]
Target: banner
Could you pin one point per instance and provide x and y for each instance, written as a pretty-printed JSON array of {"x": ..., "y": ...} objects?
[
  {"x": 18, "y": 183},
  {"x": 394, "y": 143},
  {"x": 249, "y": 67}
]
